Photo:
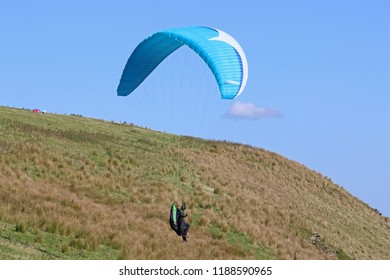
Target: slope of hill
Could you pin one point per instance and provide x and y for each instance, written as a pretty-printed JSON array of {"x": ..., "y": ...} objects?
[{"x": 80, "y": 188}]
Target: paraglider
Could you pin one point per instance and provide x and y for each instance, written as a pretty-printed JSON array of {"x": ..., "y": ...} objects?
[
  {"x": 219, "y": 50},
  {"x": 176, "y": 221}
]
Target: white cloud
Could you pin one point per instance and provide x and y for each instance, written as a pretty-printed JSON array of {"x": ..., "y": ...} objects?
[{"x": 240, "y": 110}]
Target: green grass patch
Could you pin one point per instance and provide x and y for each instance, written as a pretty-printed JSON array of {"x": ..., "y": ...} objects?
[
  {"x": 241, "y": 239},
  {"x": 304, "y": 233},
  {"x": 36, "y": 244},
  {"x": 243, "y": 243},
  {"x": 341, "y": 255}
]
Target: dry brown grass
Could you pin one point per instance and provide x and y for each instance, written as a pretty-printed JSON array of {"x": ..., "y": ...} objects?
[{"x": 95, "y": 184}]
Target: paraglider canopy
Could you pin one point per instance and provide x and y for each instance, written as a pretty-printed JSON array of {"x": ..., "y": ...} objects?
[{"x": 219, "y": 50}]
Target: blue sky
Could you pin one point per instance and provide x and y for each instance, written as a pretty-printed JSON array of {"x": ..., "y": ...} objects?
[{"x": 318, "y": 70}]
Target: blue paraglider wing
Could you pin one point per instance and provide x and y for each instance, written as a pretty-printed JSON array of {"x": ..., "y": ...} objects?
[{"x": 219, "y": 50}]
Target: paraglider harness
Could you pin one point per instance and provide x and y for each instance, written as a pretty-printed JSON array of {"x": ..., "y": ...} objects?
[{"x": 175, "y": 218}]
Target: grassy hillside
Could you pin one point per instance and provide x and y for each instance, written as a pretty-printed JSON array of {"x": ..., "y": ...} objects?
[{"x": 79, "y": 188}]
